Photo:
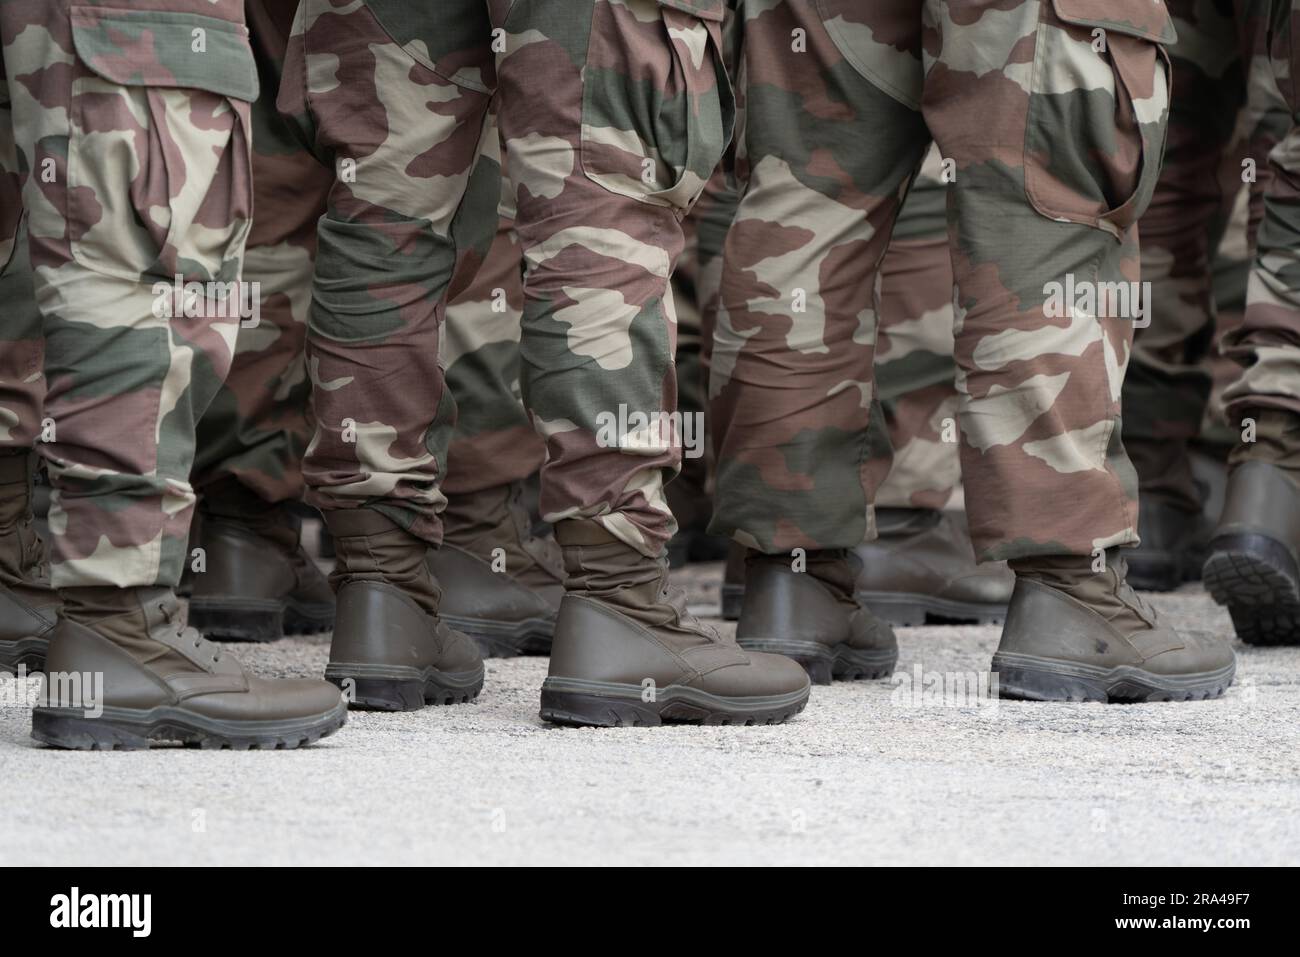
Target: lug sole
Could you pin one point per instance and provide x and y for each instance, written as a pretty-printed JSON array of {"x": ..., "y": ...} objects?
[
  {"x": 224, "y": 619},
  {"x": 399, "y": 688},
  {"x": 29, "y": 652},
  {"x": 826, "y": 664},
  {"x": 1256, "y": 578},
  {"x": 910, "y": 609},
  {"x": 496, "y": 639},
  {"x": 127, "y": 729},
  {"x": 1032, "y": 678},
  {"x": 603, "y": 704}
]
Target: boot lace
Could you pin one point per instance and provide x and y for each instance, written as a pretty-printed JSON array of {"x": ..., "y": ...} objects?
[{"x": 186, "y": 635}]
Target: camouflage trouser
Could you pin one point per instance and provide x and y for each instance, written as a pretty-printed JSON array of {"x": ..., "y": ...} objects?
[
  {"x": 1267, "y": 343},
  {"x": 1169, "y": 380},
  {"x": 914, "y": 351},
  {"x": 493, "y": 442},
  {"x": 1052, "y": 115},
  {"x": 612, "y": 116},
  {"x": 914, "y": 368},
  {"x": 257, "y": 428},
  {"x": 22, "y": 346},
  {"x": 130, "y": 129}
]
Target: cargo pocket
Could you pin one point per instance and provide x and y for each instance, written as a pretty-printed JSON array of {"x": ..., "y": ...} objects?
[
  {"x": 1098, "y": 110},
  {"x": 657, "y": 106},
  {"x": 159, "y": 162},
  {"x": 867, "y": 36},
  {"x": 452, "y": 40}
]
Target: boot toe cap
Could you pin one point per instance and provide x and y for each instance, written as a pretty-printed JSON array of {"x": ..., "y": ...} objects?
[
  {"x": 271, "y": 699},
  {"x": 1201, "y": 652},
  {"x": 459, "y": 653},
  {"x": 763, "y": 675}
]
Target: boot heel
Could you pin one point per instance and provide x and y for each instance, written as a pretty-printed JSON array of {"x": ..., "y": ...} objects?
[
  {"x": 380, "y": 694},
  {"x": 76, "y": 733},
  {"x": 224, "y": 622},
  {"x": 588, "y": 710},
  {"x": 1034, "y": 684}
]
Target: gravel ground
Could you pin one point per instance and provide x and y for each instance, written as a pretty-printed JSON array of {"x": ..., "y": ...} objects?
[{"x": 866, "y": 775}]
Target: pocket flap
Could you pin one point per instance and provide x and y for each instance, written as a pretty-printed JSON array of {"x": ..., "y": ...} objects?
[
  {"x": 1148, "y": 19},
  {"x": 157, "y": 49},
  {"x": 704, "y": 9}
]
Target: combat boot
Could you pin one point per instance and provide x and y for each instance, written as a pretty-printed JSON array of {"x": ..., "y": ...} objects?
[
  {"x": 123, "y": 671},
  {"x": 1073, "y": 634},
  {"x": 1174, "y": 542},
  {"x": 1172, "y": 530},
  {"x": 813, "y": 616},
  {"x": 256, "y": 582},
  {"x": 733, "y": 582},
  {"x": 627, "y": 652},
  {"x": 501, "y": 584},
  {"x": 1254, "y": 563},
  {"x": 28, "y": 606},
  {"x": 922, "y": 567},
  {"x": 391, "y": 651}
]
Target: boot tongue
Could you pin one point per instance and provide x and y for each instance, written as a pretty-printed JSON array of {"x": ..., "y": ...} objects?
[
  {"x": 147, "y": 623},
  {"x": 635, "y": 584}
]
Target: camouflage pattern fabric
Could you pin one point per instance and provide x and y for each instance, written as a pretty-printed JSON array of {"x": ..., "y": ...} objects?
[
  {"x": 22, "y": 344},
  {"x": 493, "y": 442},
  {"x": 1052, "y": 115},
  {"x": 604, "y": 166},
  {"x": 1167, "y": 390},
  {"x": 130, "y": 131},
  {"x": 257, "y": 428},
  {"x": 1267, "y": 343},
  {"x": 915, "y": 372}
]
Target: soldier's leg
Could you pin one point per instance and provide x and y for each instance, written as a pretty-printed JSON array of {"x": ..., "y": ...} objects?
[
  {"x": 396, "y": 104},
  {"x": 605, "y": 167},
  {"x": 132, "y": 127},
  {"x": 501, "y": 583},
  {"x": 28, "y": 605},
  {"x": 252, "y": 580},
  {"x": 1051, "y": 175},
  {"x": 802, "y": 441},
  {"x": 921, "y": 564},
  {"x": 1252, "y": 567},
  {"x": 1168, "y": 383}
]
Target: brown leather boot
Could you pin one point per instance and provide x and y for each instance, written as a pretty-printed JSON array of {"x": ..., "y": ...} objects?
[
  {"x": 1073, "y": 634},
  {"x": 28, "y": 606},
  {"x": 501, "y": 584},
  {"x": 813, "y": 616},
  {"x": 256, "y": 583},
  {"x": 391, "y": 651},
  {"x": 1173, "y": 531},
  {"x": 626, "y": 651},
  {"x": 921, "y": 568},
  {"x": 1254, "y": 562},
  {"x": 124, "y": 671}
]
